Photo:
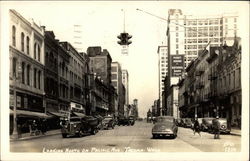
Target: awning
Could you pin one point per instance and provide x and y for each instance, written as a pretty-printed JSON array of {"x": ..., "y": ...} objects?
[
  {"x": 23, "y": 113},
  {"x": 79, "y": 114},
  {"x": 58, "y": 114}
]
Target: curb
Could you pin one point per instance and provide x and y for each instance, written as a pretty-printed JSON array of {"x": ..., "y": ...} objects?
[
  {"x": 235, "y": 134},
  {"x": 34, "y": 137}
]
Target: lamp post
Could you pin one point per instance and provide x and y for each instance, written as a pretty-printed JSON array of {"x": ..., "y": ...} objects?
[{"x": 16, "y": 79}]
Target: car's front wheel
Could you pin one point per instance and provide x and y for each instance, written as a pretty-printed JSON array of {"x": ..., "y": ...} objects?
[{"x": 64, "y": 135}]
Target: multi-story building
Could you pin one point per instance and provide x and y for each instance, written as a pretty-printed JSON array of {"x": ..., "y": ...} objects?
[
  {"x": 99, "y": 96},
  {"x": 172, "y": 102},
  {"x": 63, "y": 80},
  {"x": 187, "y": 34},
  {"x": 76, "y": 71},
  {"x": 125, "y": 81},
  {"x": 26, "y": 74},
  {"x": 51, "y": 72},
  {"x": 212, "y": 86},
  {"x": 162, "y": 70},
  {"x": 116, "y": 76},
  {"x": 100, "y": 63},
  {"x": 229, "y": 83}
]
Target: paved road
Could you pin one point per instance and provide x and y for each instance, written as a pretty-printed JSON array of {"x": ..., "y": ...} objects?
[{"x": 135, "y": 138}]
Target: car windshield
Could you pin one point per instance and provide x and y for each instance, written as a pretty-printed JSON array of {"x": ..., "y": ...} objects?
[{"x": 162, "y": 119}]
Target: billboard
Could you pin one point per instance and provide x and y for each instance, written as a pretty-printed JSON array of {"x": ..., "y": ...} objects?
[{"x": 177, "y": 65}]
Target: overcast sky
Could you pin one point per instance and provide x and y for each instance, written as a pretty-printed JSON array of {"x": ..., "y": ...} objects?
[{"x": 103, "y": 21}]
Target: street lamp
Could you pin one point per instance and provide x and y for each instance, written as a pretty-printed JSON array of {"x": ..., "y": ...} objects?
[{"x": 16, "y": 79}]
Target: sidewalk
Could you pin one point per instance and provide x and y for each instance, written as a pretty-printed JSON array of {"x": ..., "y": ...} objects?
[
  {"x": 236, "y": 131},
  {"x": 26, "y": 136}
]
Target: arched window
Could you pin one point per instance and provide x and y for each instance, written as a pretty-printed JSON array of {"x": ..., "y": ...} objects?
[
  {"x": 35, "y": 51},
  {"x": 13, "y": 35},
  {"x": 28, "y": 74},
  {"x": 28, "y": 45},
  {"x": 38, "y": 53},
  {"x": 22, "y": 41}
]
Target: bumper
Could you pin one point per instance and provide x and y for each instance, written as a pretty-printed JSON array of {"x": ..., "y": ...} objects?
[{"x": 162, "y": 132}]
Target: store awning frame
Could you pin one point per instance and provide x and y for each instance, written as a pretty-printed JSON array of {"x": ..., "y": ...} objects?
[
  {"x": 23, "y": 113},
  {"x": 79, "y": 114}
]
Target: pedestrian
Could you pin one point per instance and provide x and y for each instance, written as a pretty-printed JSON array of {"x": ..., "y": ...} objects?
[
  {"x": 43, "y": 126},
  {"x": 196, "y": 128},
  {"x": 216, "y": 128}
]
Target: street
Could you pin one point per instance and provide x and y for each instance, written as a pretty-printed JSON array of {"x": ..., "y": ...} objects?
[{"x": 137, "y": 138}]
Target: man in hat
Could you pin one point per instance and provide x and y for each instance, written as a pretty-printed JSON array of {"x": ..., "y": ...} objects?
[{"x": 216, "y": 128}]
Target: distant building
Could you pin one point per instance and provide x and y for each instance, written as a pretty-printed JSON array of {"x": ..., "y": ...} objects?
[
  {"x": 187, "y": 34},
  {"x": 116, "y": 75},
  {"x": 125, "y": 81},
  {"x": 162, "y": 70}
]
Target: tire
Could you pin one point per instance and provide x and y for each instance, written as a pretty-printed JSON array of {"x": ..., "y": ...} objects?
[
  {"x": 93, "y": 132},
  {"x": 64, "y": 135},
  {"x": 154, "y": 136}
]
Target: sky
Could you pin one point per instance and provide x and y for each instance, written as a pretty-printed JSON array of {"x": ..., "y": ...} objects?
[{"x": 102, "y": 22}]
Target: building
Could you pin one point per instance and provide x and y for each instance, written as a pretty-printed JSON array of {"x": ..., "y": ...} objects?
[
  {"x": 212, "y": 85},
  {"x": 187, "y": 34},
  {"x": 125, "y": 81},
  {"x": 26, "y": 74},
  {"x": 99, "y": 96},
  {"x": 229, "y": 83},
  {"x": 100, "y": 63},
  {"x": 51, "y": 72},
  {"x": 172, "y": 102},
  {"x": 77, "y": 72},
  {"x": 116, "y": 75},
  {"x": 162, "y": 70}
]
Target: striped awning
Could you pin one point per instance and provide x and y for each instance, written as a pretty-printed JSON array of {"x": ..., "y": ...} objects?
[{"x": 24, "y": 113}]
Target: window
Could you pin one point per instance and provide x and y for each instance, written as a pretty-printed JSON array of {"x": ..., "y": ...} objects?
[
  {"x": 39, "y": 79},
  {"x": 35, "y": 51},
  {"x": 235, "y": 19},
  {"x": 13, "y": 35},
  {"x": 177, "y": 28},
  {"x": 177, "y": 52},
  {"x": 177, "y": 34},
  {"x": 177, "y": 40},
  {"x": 28, "y": 45},
  {"x": 35, "y": 77},
  {"x": 23, "y": 78},
  {"x": 14, "y": 67},
  {"x": 38, "y": 49},
  {"x": 22, "y": 41},
  {"x": 177, "y": 46},
  {"x": 28, "y": 75}
]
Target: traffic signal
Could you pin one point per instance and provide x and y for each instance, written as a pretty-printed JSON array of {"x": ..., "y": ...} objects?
[{"x": 124, "y": 39}]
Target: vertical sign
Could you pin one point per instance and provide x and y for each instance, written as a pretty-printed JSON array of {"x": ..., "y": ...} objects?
[
  {"x": 125, "y": 49},
  {"x": 177, "y": 62}
]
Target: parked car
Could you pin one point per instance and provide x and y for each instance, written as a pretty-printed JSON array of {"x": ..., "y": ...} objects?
[
  {"x": 165, "y": 126},
  {"x": 224, "y": 128},
  {"x": 131, "y": 120},
  {"x": 77, "y": 126},
  {"x": 108, "y": 122},
  {"x": 188, "y": 123},
  {"x": 206, "y": 124},
  {"x": 123, "y": 121}
]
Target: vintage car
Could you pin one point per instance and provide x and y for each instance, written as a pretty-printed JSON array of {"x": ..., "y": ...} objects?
[
  {"x": 123, "y": 121},
  {"x": 108, "y": 122},
  {"x": 224, "y": 128},
  {"x": 72, "y": 126},
  {"x": 165, "y": 126},
  {"x": 206, "y": 124},
  {"x": 188, "y": 123},
  {"x": 78, "y": 126},
  {"x": 131, "y": 120}
]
